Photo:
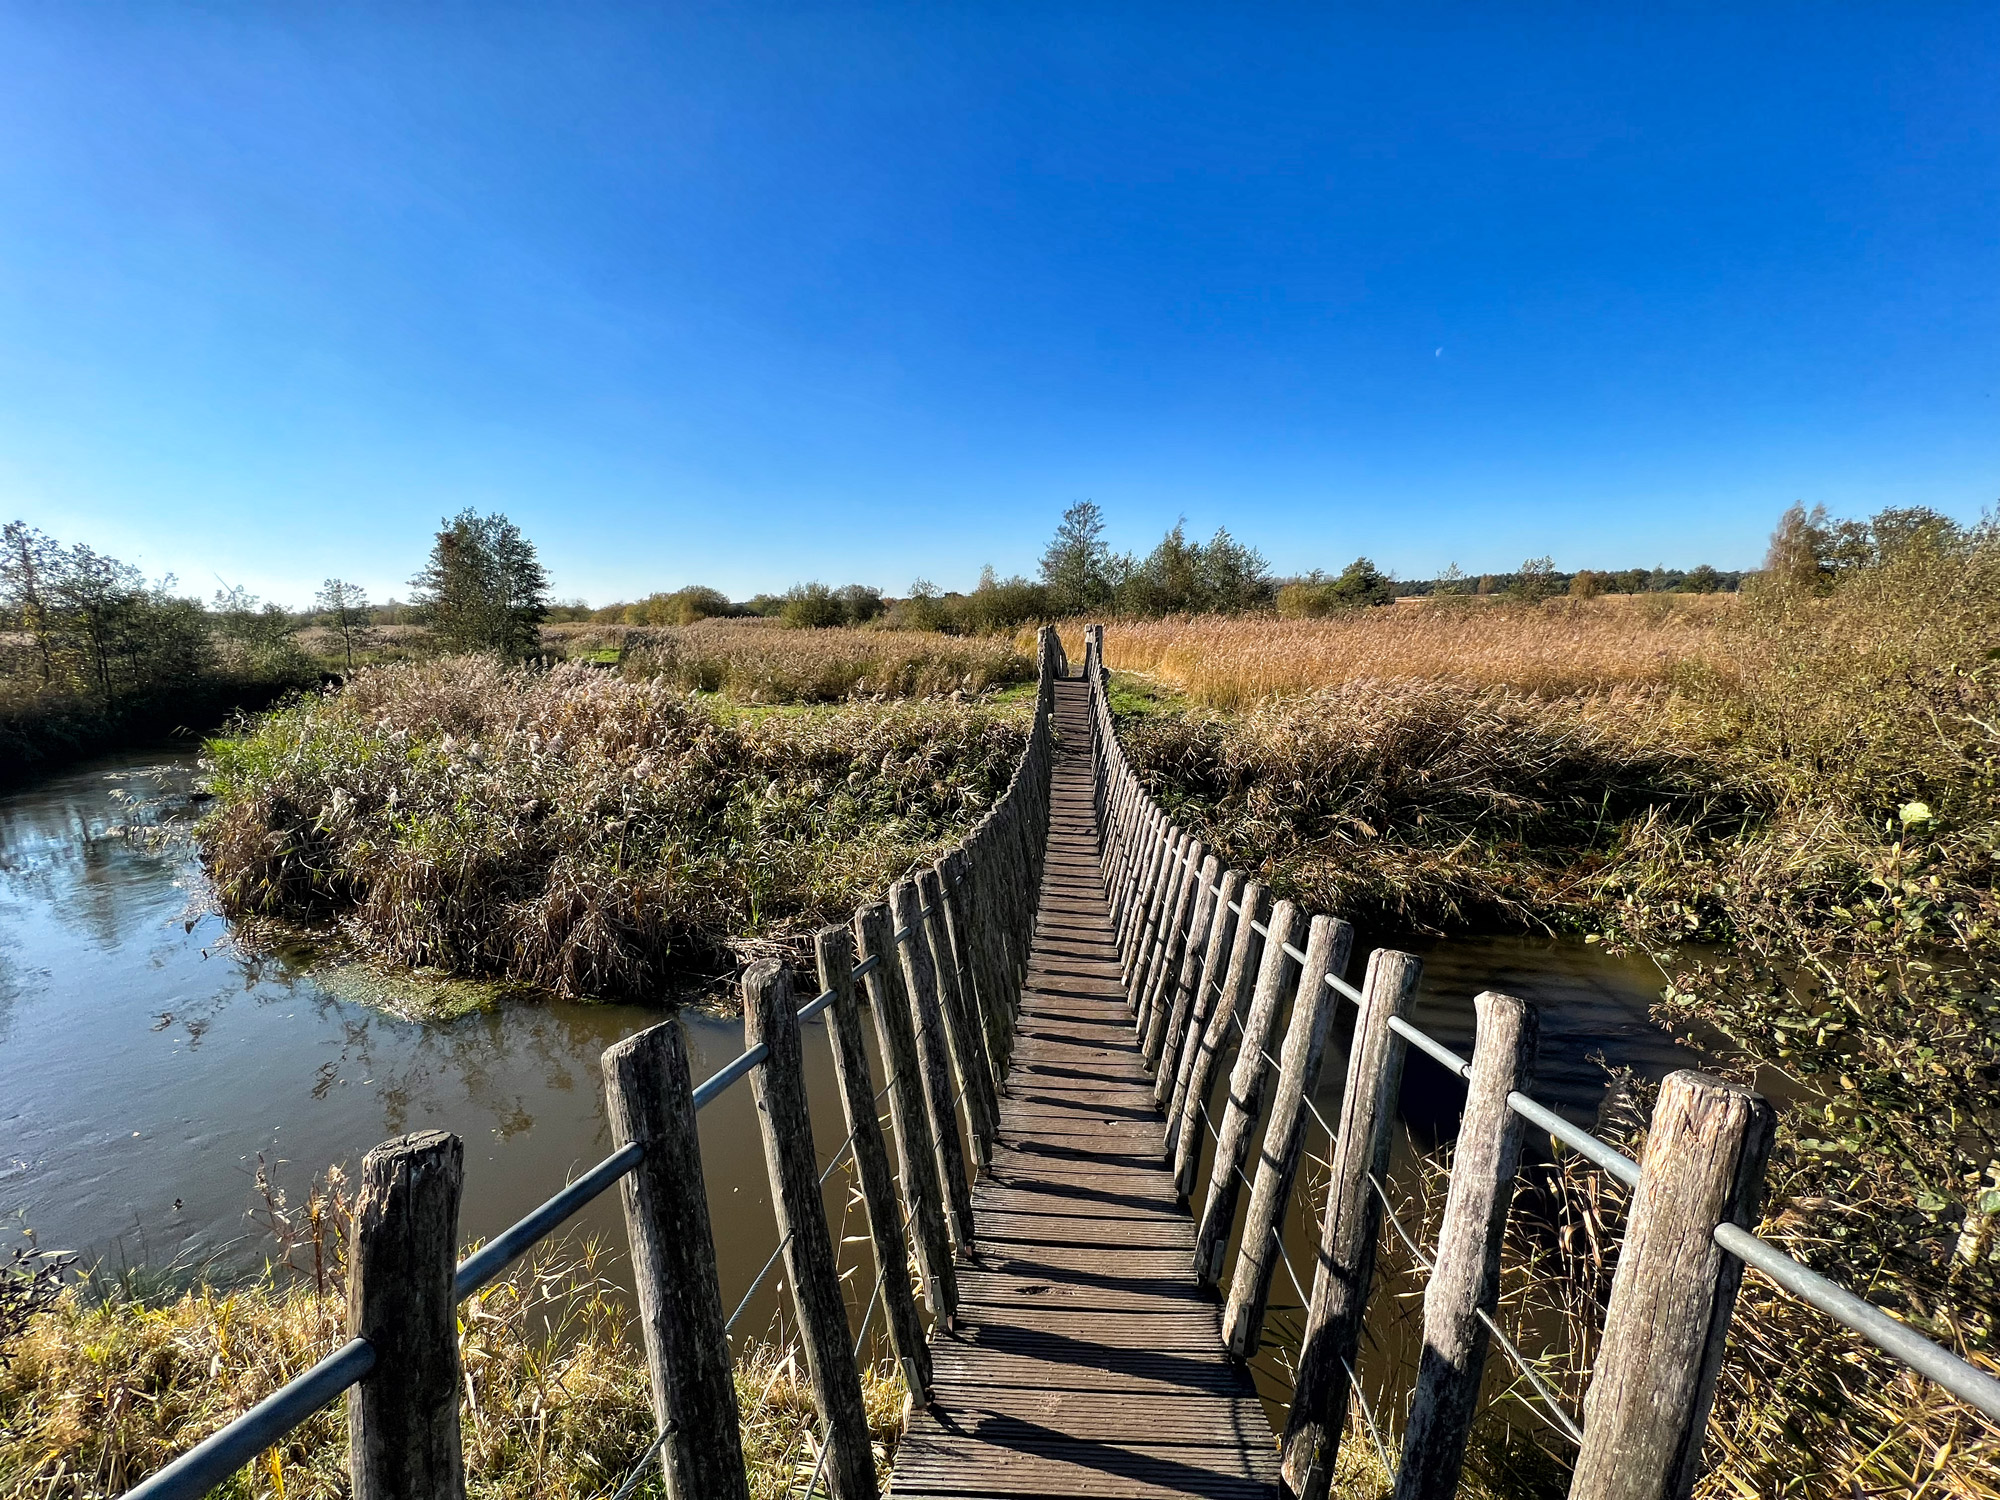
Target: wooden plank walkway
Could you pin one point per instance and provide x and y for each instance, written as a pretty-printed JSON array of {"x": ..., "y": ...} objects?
[{"x": 1085, "y": 1362}]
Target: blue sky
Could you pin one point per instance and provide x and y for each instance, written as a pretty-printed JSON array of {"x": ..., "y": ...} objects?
[{"x": 749, "y": 294}]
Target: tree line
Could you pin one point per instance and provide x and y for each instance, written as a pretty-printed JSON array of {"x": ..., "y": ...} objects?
[{"x": 1080, "y": 574}]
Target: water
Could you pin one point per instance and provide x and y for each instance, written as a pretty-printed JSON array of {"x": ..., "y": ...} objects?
[{"x": 147, "y": 1065}]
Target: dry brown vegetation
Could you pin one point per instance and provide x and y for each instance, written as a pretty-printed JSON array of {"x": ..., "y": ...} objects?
[
  {"x": 1560, "y": 647},
  {"x": 1807, "y": 780},
  {"x": 101, "y": 1391},
  {"x": 580, "y": 832},
  {"x": 761, "y": 663}
]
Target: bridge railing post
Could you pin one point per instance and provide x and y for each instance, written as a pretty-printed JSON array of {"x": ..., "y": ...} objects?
[
  {"x": 1162, "y": 1049},
  {"x": 1276, "y": 976},
  {"x": 834, "y": 949},
  {"x": 1465, "y": 1278},
  {"x": 1167, "y": 952},
  {"x": 909, "y": 1112},
  {"x": 1245, "y": 961},
  {"x": 1215, "y": 956},
  {"x": 1351, "y": 1227},
  {"x": 778, "y": 1084},
  {"x": 1284, "y": 1135},
  {"x": 402, "y": 1419},
  {"x": 1647, "y": 1407},
  {"x": 934, "y": 1055},
  {"x": 649, "y": 1095},
  {"x": 968, "y": 1047}
]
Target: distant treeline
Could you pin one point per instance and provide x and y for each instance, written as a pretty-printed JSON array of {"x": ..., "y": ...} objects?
[{"x": 1080, "y": 573}]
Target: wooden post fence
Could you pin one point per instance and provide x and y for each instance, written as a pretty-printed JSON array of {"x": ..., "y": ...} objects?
[
  {"x": 402, "y": 1420},
  {"x": 650, "y": 1100},
  {"x": 778, "y": 1084}
]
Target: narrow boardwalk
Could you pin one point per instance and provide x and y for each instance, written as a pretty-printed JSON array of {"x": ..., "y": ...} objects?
[{"x": 1084, "y": 1361}]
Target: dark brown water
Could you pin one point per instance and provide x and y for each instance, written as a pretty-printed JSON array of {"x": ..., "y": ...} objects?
[{"x": 146, "y": 1065}]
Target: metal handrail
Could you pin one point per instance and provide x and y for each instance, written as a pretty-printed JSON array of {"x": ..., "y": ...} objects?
[
  {"x": 226, "y": 1450},
  {"x": 1963, "y": 1379}
]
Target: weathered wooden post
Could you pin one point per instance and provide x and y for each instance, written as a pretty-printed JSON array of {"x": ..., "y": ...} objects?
[
  {"x": 968, "y": 1056},
  {"x": 1207, "y": 984},
  {"x": 1163, "y": 1039},
  {"x": 650, "y": 1100},
  {"x": 933, "y": 1053},
  {"x": 955, "y": 929},
  {"x": 1157, "y": 849},
  {"x": 909, "y": 1114},
  {"x": 1158, "y": 907},
  {"x": 834, "y": 948},
  {"x": 1284, "y": 1135},
  {"x": 1244, "y": 964},
  {"x": 1275, "y": 978},
  {"x": 1646, "y": 1411},
  {"x": 1465, "y": 1278},
  {"x": 1167, "y": 910},
  {"x": 1351, "y": 1227},
  {"x": 402, "y": 1419},
  {"x": 778, "y": 1084},
  {"x": 1179, "y": 910}
]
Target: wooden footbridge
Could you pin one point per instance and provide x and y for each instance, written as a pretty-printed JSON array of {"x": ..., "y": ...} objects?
[{"x": 1051, "y": 1211}]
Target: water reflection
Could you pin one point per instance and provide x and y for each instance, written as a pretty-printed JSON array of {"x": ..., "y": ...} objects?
[{"x": 146, "y": 1066}]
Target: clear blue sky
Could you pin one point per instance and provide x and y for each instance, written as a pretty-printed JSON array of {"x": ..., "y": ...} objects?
[{"x": 749, "y": 294}]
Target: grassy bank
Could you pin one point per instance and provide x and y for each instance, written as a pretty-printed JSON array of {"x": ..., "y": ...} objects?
[
  {"x": 1806, "y": 782},
  {"x": 102, "y": 1390},
  {"x": 584, "y": 833}
]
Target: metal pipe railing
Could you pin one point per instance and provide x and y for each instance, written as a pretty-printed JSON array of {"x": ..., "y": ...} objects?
[{"x": 1963, "y": 1379}]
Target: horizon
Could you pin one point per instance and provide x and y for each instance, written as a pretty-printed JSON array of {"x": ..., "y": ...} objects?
[{"x": 867, "y": 296}]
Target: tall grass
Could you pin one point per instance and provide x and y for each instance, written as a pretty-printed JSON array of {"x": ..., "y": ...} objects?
[
  {"x": 1560, "y": 647},
  {"x": 1806, "y": 782},
  {"x": 579, "y": 832},
  {"x": 100, "y": 1392},
  {"x": 761, "y": 662}
]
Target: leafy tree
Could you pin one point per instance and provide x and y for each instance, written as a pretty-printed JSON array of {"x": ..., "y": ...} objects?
[
  {"x": 812, "y": 606},
  {"x": 29, "y": 563},
  {"x": 1536, "y": 581},
  {"x": 1586, "y": 585},
  {"x": 1077, "y": 565},
  {"x": 923, "y": 610},
  {"x": 346, "y": 609},
  {"x": 860, "y": 603},
  {"x": 1003, "y": 603},
  {"x": 483, "y": 589},
  {"x": 1452, "y": 582},
  {"x": 242, "y": 617}
]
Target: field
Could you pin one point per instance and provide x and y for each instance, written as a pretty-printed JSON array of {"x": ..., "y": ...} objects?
[
  {"x": 1805, "y": 781},
  {"x": 581, "y": 832}
]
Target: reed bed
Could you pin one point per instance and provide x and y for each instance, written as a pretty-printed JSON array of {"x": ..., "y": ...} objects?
[
  {"x": 585, "y": 834},
  {"x": 1804, "y": 780},
  {"x": 1560, "y": 647},
  {"x": 761, "y": 662}
]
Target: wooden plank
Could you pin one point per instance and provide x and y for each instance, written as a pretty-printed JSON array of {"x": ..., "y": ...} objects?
[{"x": 1084, "y": 1360}]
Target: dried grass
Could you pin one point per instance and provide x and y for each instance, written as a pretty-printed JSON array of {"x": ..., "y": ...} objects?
[
  {"x": 578, "y": 832},
  {"x": 762, "y": 663},
  {"x": 1560, "y": 647}
]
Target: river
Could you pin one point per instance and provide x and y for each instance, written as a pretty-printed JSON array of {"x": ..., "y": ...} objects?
[{"x": 148, "y": 1065}]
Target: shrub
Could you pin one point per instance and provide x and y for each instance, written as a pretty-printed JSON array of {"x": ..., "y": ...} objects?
[{"x": 586, "y": 834}]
